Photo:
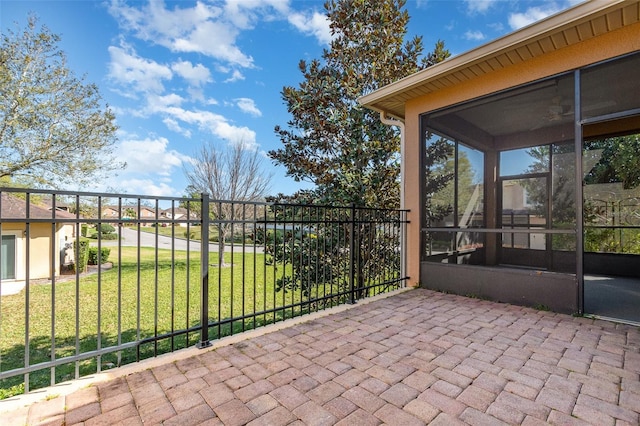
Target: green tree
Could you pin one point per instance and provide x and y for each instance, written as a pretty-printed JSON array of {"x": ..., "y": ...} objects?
[
  {"x": 619, "y": 161},
  {"x": 440, "y": 172},
  {"x": 130, "y": 213},
  {"x": 342, "y": 148},
  {"x": 53, "y": 128},
  {"x": 331, "y": 140},
  {"x": 563, "y": 177},
  {"x": 616, "y": 165}
]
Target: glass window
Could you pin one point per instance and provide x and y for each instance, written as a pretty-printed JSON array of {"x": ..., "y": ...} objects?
[
  {"x": 8, "y": 261},
  {"x": 454, "y": 197},
  {"x": 470, "y": 206},
  {"x": 454, "y": 247},
  {"x": 454, "y": 184},
  {"x": 612, "y": 194},
  {"x": 599, "y": 98},
  {"x": 439, "y": 246},
  {"x": 524, "y": 207},
  {"x": 439, "y": 181},
  {"x": 522, "y": 131},
  {"x": 563, "y": 198},
  {"x": 524, "y": 161}
]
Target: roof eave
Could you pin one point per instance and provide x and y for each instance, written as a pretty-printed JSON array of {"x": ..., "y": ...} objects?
[{"x": 526, "y": 34}]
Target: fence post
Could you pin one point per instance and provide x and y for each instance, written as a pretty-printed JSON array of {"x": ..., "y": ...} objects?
[
  {"x": 403, "y": 247},
  {"x": 352, "y": 255},
  {"x": 204, "y": 273}
]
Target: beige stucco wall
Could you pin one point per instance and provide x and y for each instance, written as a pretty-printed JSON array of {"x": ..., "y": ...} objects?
[
  {"x": 39, "y": 248},
  {"x": 610, "y": 45}
]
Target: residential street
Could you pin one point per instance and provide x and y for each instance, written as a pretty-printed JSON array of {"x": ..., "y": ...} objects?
[{"x": 148, "y": 239}]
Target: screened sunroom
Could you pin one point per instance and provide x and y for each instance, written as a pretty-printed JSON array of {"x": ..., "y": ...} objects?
[
  {"x": 504, "y": 176},
  {"x": 522, "y": 165}
]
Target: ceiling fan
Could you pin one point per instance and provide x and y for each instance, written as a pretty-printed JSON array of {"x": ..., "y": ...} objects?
[{"x": 557, "y": 110}]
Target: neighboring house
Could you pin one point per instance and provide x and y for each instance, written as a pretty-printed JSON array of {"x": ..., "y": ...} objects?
[
  {"x": 59, "y": 205},
  {"x": 523, "y": 109},
  {"x": 178, "y": 214},
  {"x": 49, "y": 245},
  {"x": 147, "y": 213},
  {"x": 111, "y": 212},
  {"x": 130, "y": 212}
]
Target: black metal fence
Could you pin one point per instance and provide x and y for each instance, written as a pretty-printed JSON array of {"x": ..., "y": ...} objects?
[{"x": 93, "y": 281}]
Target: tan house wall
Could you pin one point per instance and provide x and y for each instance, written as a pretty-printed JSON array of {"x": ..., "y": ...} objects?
[
  {"x": 39, "y": 248},
  {"x": 610, "y": 45},
  {"x": 108, "y": 212}
]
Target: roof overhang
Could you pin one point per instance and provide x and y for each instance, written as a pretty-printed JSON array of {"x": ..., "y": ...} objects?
[{"x": 575, "y": 25}]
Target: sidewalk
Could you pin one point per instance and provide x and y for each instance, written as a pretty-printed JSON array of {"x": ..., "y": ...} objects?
[{"x": 417, "y": 357}]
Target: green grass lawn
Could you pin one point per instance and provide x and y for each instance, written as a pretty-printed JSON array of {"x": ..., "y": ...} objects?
[{"x": 160, "y": 297}]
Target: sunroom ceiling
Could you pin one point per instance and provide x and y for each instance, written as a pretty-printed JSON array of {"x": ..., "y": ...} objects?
[{"x": 580, "y": 23}]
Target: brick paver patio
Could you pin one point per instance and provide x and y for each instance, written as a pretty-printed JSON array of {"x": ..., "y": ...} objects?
[{"x": 416, "y": 357}]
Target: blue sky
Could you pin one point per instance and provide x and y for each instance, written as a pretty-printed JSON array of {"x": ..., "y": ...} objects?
[{"x": 182, "y": 73}]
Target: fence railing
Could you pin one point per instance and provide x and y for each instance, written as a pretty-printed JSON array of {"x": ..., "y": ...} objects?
[{"x": 92, "y": 281}]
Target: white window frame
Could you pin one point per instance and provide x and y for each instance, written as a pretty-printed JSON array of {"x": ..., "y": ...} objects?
[{"x": 18, "y": 234}]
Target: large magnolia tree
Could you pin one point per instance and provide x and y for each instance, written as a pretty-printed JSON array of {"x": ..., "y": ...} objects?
[
  {"x": 344, "y": 149},
  {"x": 331, "y": 140},
  {"x": 54, "y": 129}
]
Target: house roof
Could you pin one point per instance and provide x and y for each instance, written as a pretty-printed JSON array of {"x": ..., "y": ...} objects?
[
  {"x": 16, "y": 208},
  {"x": 178, "y": 210},
  {"x": 575, "y": 25},
  {"x": 125, "y": 207}
]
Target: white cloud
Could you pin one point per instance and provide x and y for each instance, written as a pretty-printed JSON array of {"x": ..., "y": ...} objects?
[
  {"x": 196, "y": 94},
  {"x": 249, "y": 106},
  {"x": 496, "y": 26},
  {"x": 315, "y": 24},
  {"x": 149, "y": 187},
  {"x": 531, "y": 15},
  {"x": 159, "y": 102},
  {"x": 130, "y": 70},
  {"x": 174, "y": 126},
  {"x": 479, "y": 6},
  {"x": 212, "y": 28},
  {"x": 474, "y": 35},
  {"x": 213, "y": 123},
  {"x": 244, "y": 14},
  {"x": 234, "y": 134},
  {"x": 213, "y": 39},
  {"x": 202, "y": 29},
  {"x": 235, "y": 76},
  {"x": 196, "y": 75},
  {"x": 149, "y": 156}
]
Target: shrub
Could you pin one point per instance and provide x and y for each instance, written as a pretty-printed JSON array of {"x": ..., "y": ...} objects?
[
  {"x": 112, "y": 236},
  {"x": 93, "y": 255},
  {"x": 189, "y": 235},
  {"x": 105, "y": 228},
  {"x": 83, "y": 229},
  {"x": 82, "y": 254}
]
